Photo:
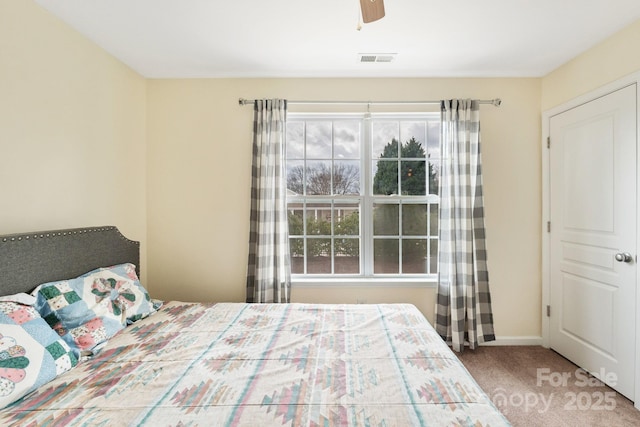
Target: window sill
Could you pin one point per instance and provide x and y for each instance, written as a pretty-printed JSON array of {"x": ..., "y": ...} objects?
[{"x": 378, "y": 282}]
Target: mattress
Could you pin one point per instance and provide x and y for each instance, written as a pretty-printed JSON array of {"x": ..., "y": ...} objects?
[{"x": 236, "y": 364}]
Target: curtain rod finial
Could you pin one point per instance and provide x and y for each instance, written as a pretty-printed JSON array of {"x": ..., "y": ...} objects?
[
  {"x": 497, "y": 102},
  {"x": 241, "y": 101}
]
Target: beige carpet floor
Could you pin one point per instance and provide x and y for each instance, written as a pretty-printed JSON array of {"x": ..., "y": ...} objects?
[{"x": 535, "y": 386}]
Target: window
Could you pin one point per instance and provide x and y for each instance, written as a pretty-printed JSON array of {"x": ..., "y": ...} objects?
[{"x": 363, "y": 195}]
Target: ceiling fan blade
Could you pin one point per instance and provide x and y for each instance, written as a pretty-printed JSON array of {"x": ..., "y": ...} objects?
[{"x": 372, "y": 10}]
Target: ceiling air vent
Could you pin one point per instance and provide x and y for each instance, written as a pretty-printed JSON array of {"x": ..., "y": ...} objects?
[{"x": 376, "y": 57}]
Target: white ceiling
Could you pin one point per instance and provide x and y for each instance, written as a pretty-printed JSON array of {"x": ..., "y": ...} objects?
[{"x": 304, "y": 38}]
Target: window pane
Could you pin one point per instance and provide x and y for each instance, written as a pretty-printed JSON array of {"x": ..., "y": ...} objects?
[
  {"x": 385, "y": 220},
  {"x": 346, "y": 177},
  {"x": 384, "y": 139},
  {"x": 294, "y": 216},
  {"x": 347, "y": 256},
  {"x": 318, "y": 219},
  {"x": 385, "y": 177},
  {"x": 433, "y": 174},
  {"x": 295, "y": 140},
  {"x": 433, "y": 154},
  {"x": 385, "y": 256},
  {"x": 414, "y": 220},
  {"x": 318, "y": 140},
  {"x": 346, "y": 139},
  {"x": 295, "y": 176},
  {"x": 319, "y": 256},
  {"x": 416, "y": 130},
  {"x": 346, "y": 219},
  {"x": 433, "y": 139},
  {"x": 318, "y": 178},
  {"x": 433, "y": 220},
  {"x": 413, "y": 178},
  {"x": 413, "y": 149},
  {"x": 318, "y": 248},
  {"x": 433, "y": 256},
  {"x": 414, "y": 256},
  {"x": 296, "y": 248}
]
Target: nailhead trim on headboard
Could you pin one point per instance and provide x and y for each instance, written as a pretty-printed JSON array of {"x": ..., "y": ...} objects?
[{"x": 14, "y": 238}]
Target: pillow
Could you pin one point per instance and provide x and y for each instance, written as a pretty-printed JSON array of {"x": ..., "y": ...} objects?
[
  {"x": 136, "y": 302},
  {"x": 22, "y": 298},
  {"x": 31, "y": 353},
  {"x": 88, "y": 310}
]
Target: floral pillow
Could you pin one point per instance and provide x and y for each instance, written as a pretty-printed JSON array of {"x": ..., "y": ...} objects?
[
  {"x": 31, "y": 354},
  {"x": 90, "y": 309},
  {"x": 133, "y": 297}
]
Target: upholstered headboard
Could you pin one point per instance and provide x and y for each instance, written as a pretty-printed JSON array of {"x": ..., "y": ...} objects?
[{"x": 29, "y": 259}]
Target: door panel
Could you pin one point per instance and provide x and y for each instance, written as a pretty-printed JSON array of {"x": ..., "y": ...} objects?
[
  {"x": 580, "y": 297},
  {"x": 588, "y": 196},
  {"x": 593, "y": 217}
]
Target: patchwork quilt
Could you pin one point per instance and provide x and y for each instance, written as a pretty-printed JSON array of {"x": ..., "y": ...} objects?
[{"x": 232, "y": 364}]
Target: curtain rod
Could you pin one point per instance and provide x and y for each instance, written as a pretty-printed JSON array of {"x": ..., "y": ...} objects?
[{"x": 495, "y": 102}]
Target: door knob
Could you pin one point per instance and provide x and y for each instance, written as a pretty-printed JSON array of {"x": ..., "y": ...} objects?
[{"x": 624, "y": 257}]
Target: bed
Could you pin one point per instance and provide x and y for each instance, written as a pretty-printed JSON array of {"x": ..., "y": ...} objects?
[{"x": 234, "y": 364}]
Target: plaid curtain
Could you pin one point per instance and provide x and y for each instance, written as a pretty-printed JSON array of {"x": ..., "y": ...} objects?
[
  {"x": 463, "y": 302},
  {"x": 269, "y": 269}
]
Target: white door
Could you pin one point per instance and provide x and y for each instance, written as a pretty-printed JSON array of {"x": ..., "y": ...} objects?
[{"x": 592, "y": 166}]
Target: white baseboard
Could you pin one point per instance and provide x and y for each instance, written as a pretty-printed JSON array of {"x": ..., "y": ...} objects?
[{"x": 525, "y": 340}]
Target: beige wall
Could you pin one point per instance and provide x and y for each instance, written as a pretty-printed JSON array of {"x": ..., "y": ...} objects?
[
  {"x": 199, "y": 178},
  {"x": 72, "y": 129},
  {"x": 611, "y": 59},
  {"x": 199, "y": 165},
  {"x": 84, "y": 141}
]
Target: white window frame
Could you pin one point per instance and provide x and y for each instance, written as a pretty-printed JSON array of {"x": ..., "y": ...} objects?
[{"x": 366, "y": 200}]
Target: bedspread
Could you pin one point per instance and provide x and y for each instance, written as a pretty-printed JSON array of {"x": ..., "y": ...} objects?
[{"x": 233, "y": 364}]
